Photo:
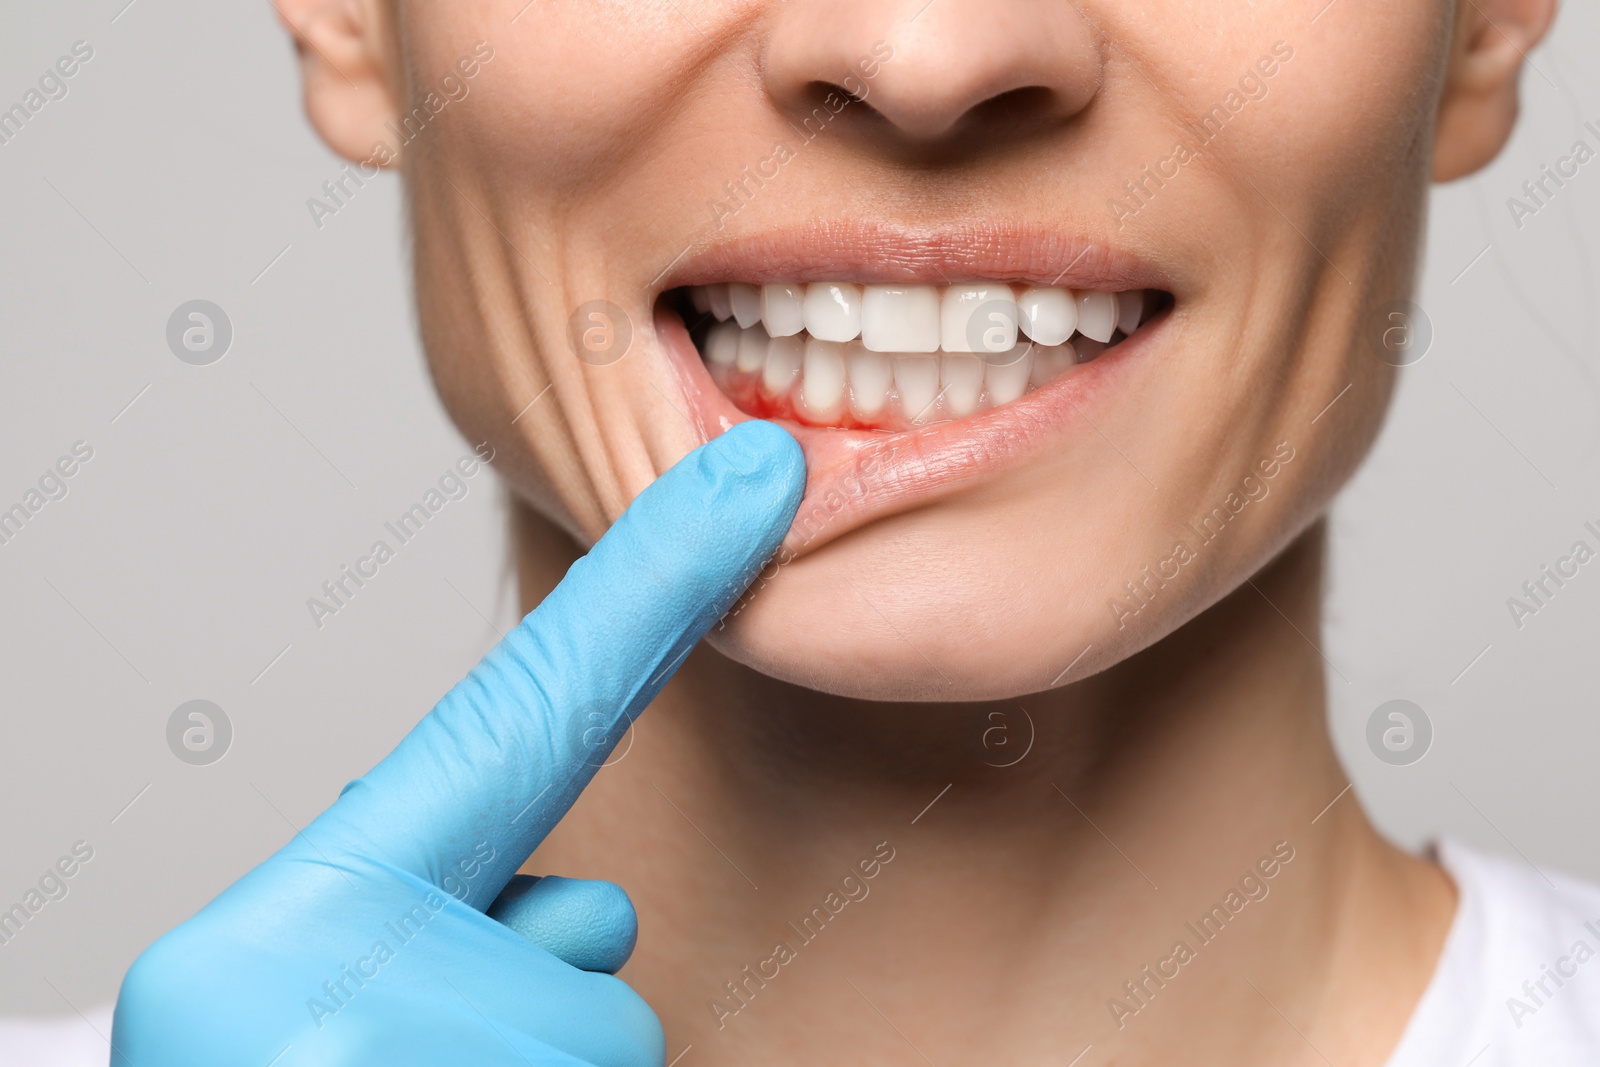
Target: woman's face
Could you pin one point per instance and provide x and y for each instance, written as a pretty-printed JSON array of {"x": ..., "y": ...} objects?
[{"x": 1251, "y": 177}]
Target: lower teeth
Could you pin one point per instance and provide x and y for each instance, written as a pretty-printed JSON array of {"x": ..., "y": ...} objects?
[{"x": 843, "y": 384}]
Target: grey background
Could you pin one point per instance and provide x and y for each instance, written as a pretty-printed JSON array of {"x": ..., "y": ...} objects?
[{"x": 220, "y": 497}]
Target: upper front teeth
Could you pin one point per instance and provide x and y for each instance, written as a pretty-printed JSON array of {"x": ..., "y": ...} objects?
[
  {"x": 1048, "y": 316},
  {"x": 832, "y": 310},
  {"x": 979, "y": 318},
  {"x": 900, "y": 318}
]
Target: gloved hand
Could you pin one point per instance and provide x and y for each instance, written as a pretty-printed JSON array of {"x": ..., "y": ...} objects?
[{"x": 391, "y": 931}]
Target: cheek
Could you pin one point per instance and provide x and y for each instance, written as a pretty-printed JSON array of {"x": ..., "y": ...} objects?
[
  {"x": 553, "y": 201},
  {"x": 1351, "y": 108},
  {"x": 575, "y": 86}
]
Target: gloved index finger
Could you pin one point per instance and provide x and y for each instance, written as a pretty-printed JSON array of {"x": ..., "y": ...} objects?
[{"x": 479, "y": 782}]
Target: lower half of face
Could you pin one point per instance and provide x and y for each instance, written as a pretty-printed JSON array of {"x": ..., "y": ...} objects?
[{"x": 1070, "y": 355}]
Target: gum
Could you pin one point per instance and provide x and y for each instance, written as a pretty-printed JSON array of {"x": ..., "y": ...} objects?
[{"x": 744, "y": 389}]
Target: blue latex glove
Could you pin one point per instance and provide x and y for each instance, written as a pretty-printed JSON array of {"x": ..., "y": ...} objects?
[{"x": 391, "y": 931}]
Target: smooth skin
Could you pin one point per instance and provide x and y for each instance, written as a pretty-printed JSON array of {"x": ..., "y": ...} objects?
[
  {"x": 862, "y": 683},
  {"x": 392, "y": 929}
]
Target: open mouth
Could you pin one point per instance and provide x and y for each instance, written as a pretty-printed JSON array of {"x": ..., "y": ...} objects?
[
  {"x": 899, "y": 356},
  {"x": 913, "y": 364}
]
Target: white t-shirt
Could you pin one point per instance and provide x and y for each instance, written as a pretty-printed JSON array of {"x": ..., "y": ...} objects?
[
  {"x": 1518, "y": 983},
  {"x": 70, "y": 1042}
]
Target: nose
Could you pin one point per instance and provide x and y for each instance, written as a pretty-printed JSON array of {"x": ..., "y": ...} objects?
[{"x": 934, "y": 70}]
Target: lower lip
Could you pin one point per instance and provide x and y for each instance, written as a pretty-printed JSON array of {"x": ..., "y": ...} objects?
[{"x": 854, "y": 476}]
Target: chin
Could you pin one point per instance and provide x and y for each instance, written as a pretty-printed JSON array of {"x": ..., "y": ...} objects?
[{"x": 933, "y": 606}]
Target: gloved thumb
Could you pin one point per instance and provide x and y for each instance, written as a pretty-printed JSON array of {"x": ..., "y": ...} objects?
[{"x": 588, "y": 924}]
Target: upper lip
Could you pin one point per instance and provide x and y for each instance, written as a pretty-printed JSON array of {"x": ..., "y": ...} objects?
[{"x": 882, "y": 253}]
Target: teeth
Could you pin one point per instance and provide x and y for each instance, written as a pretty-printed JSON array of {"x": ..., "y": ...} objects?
[
  {"x": 746, "y": 301},
  {"x": 717, "y": 297},
  {"x": 917, "y": 353},
  {"x": 870, "y": 377},
  {"x": 752, "y": 350},
  {"x": 782, "y": 309},
  {"x": 1130, "y": 307},
  {"x": 1048, "y": 316},
  {"x": 1051, "y": 362},
  {"x": 822, "y": 388},
  {"x": 722, "y": 344},
  {"x": 784, "y": 356},
  {"x": 924, "y": 318},
  {"x": 900, "y": 318},
  {"x": 1087, "y": 348},
  {"x": 833, "y": 311},
  {"x": 1007, "y": 377},
  {"x": 917, "y": 380},
  {"x": 1097, "y": 314},
  {"x": 961, "y": 378},
  {"x": 977, "y": 318}
]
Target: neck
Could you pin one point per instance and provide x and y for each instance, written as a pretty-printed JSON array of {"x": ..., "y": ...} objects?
[{"x": 1114, "y": 864}]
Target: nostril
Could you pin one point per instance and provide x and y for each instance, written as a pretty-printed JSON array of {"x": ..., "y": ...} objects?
[
  {"x": 904, "y": 74},
  {"x": 822, "y": 101},
  {"x": 1022, "y": 105},
  {"x": 825, "y": 89},
  {"x": 924, "y": 130}
]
